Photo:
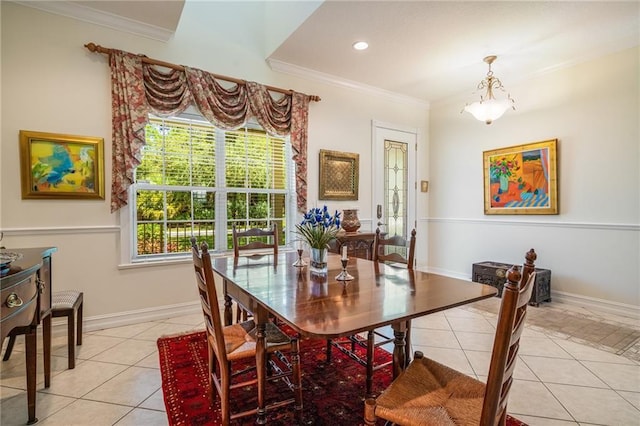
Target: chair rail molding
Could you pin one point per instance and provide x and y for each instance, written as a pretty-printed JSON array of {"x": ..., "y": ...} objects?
[
  {"x": 48, "y": 230},
  {"x": 578, "y": 225}
]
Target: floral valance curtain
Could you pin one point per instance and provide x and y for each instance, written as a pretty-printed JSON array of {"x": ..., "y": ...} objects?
[{"x": 138, "y": 88}]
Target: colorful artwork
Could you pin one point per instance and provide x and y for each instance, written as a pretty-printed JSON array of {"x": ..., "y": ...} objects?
[
  {"x": 521, "y": 179},
  {"x": 61, "y": 166}
]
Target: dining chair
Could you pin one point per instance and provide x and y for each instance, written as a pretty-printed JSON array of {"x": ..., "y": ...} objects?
[
  {"x": 386, "y": 250},
  {"x": 260, "y": 242},
  {"x": 429, "y": 393},
  {"x": 228, "y": 344}
]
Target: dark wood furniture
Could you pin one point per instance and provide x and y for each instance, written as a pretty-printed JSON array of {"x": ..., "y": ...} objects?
[
  {"x": 321, "y": 307},
  {"x": 359, "y": 244},
  {"x": 234, "y": 342},
  {"x": 69, "y": 304},
  {"x": 384, "y": 250},
  {"x": 257, "y": 241},
  {"x": 25, "y": 293},
  {"x": 494, "y": 273},
  {"x": 446, "y": 396}
]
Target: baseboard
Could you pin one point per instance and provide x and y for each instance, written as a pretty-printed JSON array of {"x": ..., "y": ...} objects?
[
  {"x": 445, "y": 272},
  {"x": 601, "y": 305},
  {"x": 119, "y": 319}
]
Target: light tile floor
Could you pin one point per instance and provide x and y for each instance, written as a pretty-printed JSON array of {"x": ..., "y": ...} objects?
[{"x": 560, "y": 379}]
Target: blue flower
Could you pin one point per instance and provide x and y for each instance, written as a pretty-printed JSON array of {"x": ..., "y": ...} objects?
[{"x": 318, "y": 227}]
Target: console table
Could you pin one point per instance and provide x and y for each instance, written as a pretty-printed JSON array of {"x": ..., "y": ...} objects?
[
  {"x": 494, "y": 273},
  {"x": 359, "y": 244},
  {"x": 25, "y": 293}
]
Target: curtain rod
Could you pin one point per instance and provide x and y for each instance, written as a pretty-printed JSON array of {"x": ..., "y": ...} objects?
[{"x": 107, "y": 51}]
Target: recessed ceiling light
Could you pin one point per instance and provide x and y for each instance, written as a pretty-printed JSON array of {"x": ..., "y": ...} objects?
[{"x": 360, "y": 45}]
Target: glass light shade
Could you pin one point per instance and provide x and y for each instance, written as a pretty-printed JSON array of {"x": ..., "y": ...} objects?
[
  {"x": 488, "y": 110},
  {"x": 360, "y": 45}
]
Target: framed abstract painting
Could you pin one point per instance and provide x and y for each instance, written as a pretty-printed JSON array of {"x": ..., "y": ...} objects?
[
  {"x": 521, "y": 179},
  {"x": 61, "y": 166}
]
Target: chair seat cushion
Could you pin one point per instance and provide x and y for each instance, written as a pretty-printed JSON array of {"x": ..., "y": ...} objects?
[
  {"x": 240, "y": 340},
  {"x": 64, "y": 299},
  {"x": 433, "y": 393}
]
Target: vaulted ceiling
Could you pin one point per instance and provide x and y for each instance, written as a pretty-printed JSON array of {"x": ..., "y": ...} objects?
[{"x": 425, "y": 50}]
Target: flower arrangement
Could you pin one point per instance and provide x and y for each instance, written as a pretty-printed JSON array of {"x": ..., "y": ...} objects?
[
  {"x": 503, "y": 167},
  {"x": 319, "y": 227}
]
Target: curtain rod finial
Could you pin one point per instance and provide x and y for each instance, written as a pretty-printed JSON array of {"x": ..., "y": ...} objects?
[{"x": 97, "y": 48}]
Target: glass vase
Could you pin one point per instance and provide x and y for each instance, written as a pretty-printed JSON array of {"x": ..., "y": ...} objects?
[{"x": 318, "y": 260}]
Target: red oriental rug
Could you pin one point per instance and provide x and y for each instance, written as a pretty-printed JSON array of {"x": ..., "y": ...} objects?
[{"x": 333, "y": 394}]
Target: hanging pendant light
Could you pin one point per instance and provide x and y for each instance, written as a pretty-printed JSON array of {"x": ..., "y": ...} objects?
[{"x": 489, "y": 108}]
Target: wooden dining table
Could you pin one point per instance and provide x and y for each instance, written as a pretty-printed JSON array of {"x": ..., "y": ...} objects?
[{"x": 319, "y": 306}]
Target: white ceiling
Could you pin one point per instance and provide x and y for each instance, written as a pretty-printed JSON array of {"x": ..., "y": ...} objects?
[
  {"x": 433, "y": 50},
  {"x": 428, "y": 50}
]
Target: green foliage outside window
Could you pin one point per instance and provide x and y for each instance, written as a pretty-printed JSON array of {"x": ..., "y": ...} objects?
[{"x": 176, "y": 184}]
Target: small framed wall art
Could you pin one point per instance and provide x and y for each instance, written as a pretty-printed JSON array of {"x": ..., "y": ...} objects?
[
  {"x": 339, "y": 173},
  {"x": 61, "y": 166},
  {"x": 521, "y": 179}
]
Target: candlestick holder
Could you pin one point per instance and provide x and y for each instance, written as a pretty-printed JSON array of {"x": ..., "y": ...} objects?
[
  {"x": 344, "y": 275},
  {"x": 299, "y": 263}
]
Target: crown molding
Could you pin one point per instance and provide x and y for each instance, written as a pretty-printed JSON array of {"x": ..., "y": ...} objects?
[
  {"x": 310, "y": 74},
  {"x": 105, "y": 19}
]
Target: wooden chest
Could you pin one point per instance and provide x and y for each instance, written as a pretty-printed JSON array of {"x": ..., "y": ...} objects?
[{"x": 494, "y": 274}]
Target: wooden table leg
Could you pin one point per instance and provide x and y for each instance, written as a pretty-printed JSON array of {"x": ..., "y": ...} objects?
[
  {"x": 370, "y": 348},
  {"x": 46, "y": 349},
  {"x": 261, "y": 362},
  {"x": 31, "y": 356},
  {"x": 399, "y": 349},
  {"x": 228, "y": 314}
]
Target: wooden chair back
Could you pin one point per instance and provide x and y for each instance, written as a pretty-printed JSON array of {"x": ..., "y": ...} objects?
[
  {"x": 380, "y": 244},
  {"x": 515, "y": 299},
  {"x": 209, "y": 300},
  {"x": 255, "y": 239}
]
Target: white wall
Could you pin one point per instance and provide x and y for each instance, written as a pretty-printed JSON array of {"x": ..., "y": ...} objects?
[
  {"x": 593, "y": 245},
  {"x": 51, "y": 83}
]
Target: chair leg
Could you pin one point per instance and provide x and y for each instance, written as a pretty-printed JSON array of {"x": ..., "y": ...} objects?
[
  {"x": 212, "y": 368},
  {"x": 370, "y": 412},
  {"x": 407, "y": 340},
  {"x": 297, "y": 377},
  {"x": 328, "y": 350},
  {"x": 224, "y": 399},
  {"x": 7, "y": 353},
  {"x": 79, "y": 322},
  {"x": 71, "y": 339}
]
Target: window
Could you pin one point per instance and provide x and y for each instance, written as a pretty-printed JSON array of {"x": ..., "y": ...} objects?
[{"x": 198, "y": 180}]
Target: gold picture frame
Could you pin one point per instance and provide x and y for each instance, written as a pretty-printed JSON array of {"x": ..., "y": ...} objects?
[
  {"x": 55, "y": 166},
  {"x": 521, "y": 179},
  {"x": 339, "y": 173}
]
